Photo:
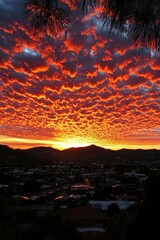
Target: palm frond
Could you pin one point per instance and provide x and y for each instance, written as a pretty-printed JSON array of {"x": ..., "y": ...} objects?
[
  {"x": 142, "y": 18},
  {"x": 47, "y": 16},
  {"x": 139, "y": 19},
  {"x": 84, "y": 5}
]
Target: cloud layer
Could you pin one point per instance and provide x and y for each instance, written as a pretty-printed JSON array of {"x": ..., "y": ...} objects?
[{"x": 86, "y": 85}]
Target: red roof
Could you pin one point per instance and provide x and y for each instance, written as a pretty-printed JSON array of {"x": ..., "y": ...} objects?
[{"x": 83, "y": 213}]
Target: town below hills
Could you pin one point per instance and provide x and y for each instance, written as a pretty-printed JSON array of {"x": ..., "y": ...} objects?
[
  {"x": 45, "y": 155},
  {"x": 88, "y": 193}
]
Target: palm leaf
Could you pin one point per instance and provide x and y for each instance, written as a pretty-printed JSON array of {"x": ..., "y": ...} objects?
[{"x": 47, "y": 16}]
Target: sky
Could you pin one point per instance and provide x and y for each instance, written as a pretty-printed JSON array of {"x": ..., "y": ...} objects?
[{"x": 83, "y": 87}]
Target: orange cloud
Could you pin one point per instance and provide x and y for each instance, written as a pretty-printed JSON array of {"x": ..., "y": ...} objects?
[{"x": 85, "y": 87}]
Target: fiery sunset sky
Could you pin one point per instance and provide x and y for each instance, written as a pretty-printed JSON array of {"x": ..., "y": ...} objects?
[{"x": 84, "y": 87}]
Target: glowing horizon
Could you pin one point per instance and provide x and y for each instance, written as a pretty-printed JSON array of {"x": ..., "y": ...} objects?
[
  {"x": 68, "y": 143},
  {"x": 85, "y": 87}
]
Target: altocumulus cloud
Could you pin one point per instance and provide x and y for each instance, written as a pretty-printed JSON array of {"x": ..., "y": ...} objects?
[{"x": 86, "y": 84}]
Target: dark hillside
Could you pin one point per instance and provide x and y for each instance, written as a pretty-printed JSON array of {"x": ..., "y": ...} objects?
[{"x": 46, "y": 155}]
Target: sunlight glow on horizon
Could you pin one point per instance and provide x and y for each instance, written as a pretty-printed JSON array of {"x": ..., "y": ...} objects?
[{"x": 60, "y": 144}]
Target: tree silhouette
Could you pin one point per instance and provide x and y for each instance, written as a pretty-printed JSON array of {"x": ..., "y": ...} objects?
[
  {"x": 47, "y": 16},
  {"x": 31, "y": 186},
  {"x": 139, "y": 19},
  {"x": 113, "y": 209}
]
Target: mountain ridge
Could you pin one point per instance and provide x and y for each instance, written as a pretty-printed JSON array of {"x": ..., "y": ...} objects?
[
  {"x": 46, "y": 155},
  {"x": 74, "y": 148}
]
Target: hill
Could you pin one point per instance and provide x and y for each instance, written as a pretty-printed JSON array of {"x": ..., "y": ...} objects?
[
  {"x": 47, "y": 155},
  {"x": 32, "y": 156},
  {"x": 99, "y": 153}
]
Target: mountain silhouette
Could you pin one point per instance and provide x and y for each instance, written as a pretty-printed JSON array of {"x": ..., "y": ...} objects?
[{"x": 46, "y": 155}]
